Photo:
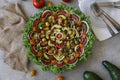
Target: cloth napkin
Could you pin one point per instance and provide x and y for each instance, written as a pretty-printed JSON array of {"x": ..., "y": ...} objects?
[
  {"x": 12, "y": 23},
  {"x": 98, "y": 26}
]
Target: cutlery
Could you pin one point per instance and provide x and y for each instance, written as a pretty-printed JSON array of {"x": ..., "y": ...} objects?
[
  {"x": 110, "y": 4},
  {"x": 102, "y": 17},
  {"x": 99, "y": 11}
]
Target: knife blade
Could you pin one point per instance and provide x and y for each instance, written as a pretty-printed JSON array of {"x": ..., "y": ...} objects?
[{"x": 109, "y": 4}]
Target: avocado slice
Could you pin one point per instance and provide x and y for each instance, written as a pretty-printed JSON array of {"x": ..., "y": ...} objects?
[
  {"x": 59, "y": 58},
  {"x": 35, "y": 36},
  {"x": 62, "y": 16},
  {"x": 46, "y": 56}
]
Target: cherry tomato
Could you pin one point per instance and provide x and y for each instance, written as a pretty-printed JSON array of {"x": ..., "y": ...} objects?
[
  {"x": 38, "y": 3},
  {"x": 49, "y": 4},
  {"x": 66, "y": 0},
  {"x": 33, "y": 72},
  {"x": 60, "y": 78}
]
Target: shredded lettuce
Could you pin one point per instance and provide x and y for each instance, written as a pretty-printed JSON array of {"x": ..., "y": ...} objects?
[{"x": 53, "y": 68}]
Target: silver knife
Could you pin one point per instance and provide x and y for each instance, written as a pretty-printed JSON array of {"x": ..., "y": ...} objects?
[{"x": 109, "y": 4}]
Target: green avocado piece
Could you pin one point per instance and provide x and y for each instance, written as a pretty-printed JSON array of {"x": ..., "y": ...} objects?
[
  {"x": 60, "y": 58},
  {"x": 91, "y": 76},
  {"x": 113, "y": 70},
  {"x": 46, "y": 56},
  {"x": 62, "y": 16},
  {"x": 40, "y": 25},
  {"x": 59, "y": 41},
  {"x": 35, "y": 36}
]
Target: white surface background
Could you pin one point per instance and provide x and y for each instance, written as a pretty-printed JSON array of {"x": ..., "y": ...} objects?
[{"x": 105, "y": 50}]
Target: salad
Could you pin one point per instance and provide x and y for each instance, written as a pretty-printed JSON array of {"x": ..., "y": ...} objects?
[{"x": 58, "y": 38}]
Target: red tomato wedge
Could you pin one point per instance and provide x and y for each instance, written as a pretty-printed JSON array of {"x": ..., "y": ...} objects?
[
  {"x": 34, "y": 51},
  {"x": 31, "y": 34},
  {"x": 61, "y": 12},
  {"x": 72, "y": 60},
  {"x": 75, "y": 17},
  {"x": 46, "y": 13},
  {"x": 36, "y": 22},
  {"x": 46, "y": 62},
  {"x": 60, "y": 64},
  {"x": 60, "y": 46}
]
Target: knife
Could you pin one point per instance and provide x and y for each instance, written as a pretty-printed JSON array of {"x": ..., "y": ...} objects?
[{"x": 109, "y": 4}]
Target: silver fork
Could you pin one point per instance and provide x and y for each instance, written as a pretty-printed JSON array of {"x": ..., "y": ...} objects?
[
  {"x": 99, "y": 11},
  {"x": 102, "y": 17}
]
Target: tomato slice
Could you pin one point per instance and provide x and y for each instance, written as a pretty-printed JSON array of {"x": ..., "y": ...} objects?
[
  {"x": 60, "y": 64},
  {"x": 84, "y": 41},
  {"x": 36, "y": 22},
  {"x": 72, "y": 60},
  {"x": 46, "y": 62},
  {"x": 81, "y": 51},
  {"x": 31, "y": 34},
  {"x": 85, "y": 27},
  {"x": 60, "y": 46},
  {"x": 61, "y": 12},
  {"x": 46, "y": 13},
  {"x": 75, "y": 17},
  {"x": 33, "y": 48}
]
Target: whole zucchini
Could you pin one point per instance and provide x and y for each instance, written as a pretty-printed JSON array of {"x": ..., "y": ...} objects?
[
  {"x": 91, "y": 76},
  {"x": 113, "y": 70}
]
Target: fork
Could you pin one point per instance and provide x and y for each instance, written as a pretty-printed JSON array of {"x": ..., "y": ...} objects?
[
  {"x": 102, "y": 17},
  {"x": 99, "y": 11}
]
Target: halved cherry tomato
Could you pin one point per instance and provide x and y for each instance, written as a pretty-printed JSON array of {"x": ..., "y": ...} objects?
[
  {"x": 39, "y": 54},
  {"x": 33, "y": 72},
  {"x": 59, "y": 78},
  {"x": 32, "y": 41},
  {"x": 53, "y": 61},
  {"x": 67, "y": 14},
  {"x": 49, "y": 4},
  {"x": 66, "y": 0},
  {"x": 38, "y": 3},
  {"x": 66, "y": 60}
]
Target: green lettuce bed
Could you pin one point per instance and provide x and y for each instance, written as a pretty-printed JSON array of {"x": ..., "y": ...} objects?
[{"x": 54, "y": 69}]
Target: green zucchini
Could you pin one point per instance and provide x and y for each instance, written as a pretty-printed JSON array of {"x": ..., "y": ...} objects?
[
  {"x": 113, "y": 70},
  {"x": 88, "y": 75}
]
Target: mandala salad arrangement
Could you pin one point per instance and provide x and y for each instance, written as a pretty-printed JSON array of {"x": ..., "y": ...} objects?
[{"x": 58, "y": 38}]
